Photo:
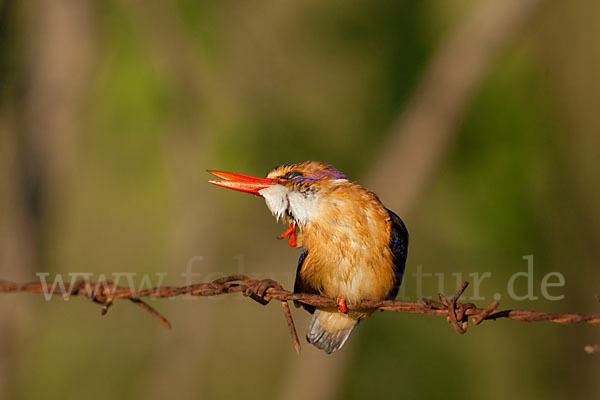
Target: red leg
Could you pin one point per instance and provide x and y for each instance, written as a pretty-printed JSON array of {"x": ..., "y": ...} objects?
[
  {"x": 291, "y": 232},
  {"x": 342, "y": 305}
]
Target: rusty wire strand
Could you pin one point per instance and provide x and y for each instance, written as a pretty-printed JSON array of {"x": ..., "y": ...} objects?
[{"x": 263, "y": 291}]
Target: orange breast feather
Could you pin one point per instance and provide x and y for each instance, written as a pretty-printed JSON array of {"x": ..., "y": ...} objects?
[{"x": 347, "y": 243}]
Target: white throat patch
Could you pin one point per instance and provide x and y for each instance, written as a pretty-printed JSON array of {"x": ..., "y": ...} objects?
[{"x": 280, "y": 200}]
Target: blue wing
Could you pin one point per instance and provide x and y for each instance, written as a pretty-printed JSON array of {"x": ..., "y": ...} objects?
[
  {"x": 301, "y": 286},
  {"x": 399, "y": 246}
]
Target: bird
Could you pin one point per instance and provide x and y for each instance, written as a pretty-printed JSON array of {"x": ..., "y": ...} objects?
[{"x": 353, "y": 247}]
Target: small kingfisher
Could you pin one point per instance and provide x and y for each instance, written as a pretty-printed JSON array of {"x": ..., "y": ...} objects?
[{"x": 354, "y": 248}]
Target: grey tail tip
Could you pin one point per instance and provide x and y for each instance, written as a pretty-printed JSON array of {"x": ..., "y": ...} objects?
[{"x": 326, "y": 341}]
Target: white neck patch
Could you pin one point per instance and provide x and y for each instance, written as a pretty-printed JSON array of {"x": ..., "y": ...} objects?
[{"x": 281, "y": 200}]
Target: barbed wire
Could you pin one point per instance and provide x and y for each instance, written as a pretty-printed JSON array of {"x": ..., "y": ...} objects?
[{"x": 265, "y": 290}]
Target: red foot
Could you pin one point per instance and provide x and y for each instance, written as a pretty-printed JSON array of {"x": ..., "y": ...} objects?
[
  {"x": 342, "y": 305},
  {"x": 291, "y": 232}
]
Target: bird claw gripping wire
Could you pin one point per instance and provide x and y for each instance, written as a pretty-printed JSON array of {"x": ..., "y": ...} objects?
[{"x": 341, "y": 303}]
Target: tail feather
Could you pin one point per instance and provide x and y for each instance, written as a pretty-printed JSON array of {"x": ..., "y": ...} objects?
[{"x": 329, "y": 330}]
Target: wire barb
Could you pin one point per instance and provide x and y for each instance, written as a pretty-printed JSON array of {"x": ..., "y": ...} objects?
[{"x": 263, "y": 291}]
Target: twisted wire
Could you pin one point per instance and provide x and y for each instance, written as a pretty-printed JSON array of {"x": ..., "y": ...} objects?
[{"x": 265, "y": 290}]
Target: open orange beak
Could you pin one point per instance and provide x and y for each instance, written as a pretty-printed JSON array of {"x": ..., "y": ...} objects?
[
  {"x": 252, "y": 184},
  {"x": 243, "y": 183}
]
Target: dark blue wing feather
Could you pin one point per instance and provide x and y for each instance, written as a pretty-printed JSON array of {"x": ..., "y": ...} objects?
[
  {"x": 399, "y": 246},
  {"x": 302, "y": 287}
]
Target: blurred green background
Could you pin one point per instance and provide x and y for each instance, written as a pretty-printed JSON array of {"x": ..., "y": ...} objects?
[{"x": 110, "y": 112}]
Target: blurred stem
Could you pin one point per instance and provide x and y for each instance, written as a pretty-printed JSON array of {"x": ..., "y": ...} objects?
[
  {"x": 54, "y": 47},
  {"x": 425, "y": 130},
  {"x": 185, "y": 72}
]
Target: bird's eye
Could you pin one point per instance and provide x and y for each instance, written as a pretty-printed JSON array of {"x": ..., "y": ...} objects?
[{"x": 292, "y": 175}]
